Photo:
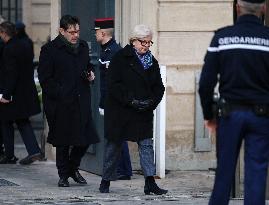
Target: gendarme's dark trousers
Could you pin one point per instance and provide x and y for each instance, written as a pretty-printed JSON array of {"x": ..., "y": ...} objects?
[
  {"x": 68, "y": 159},
  {"x": 113, "y": 153},
  {"x": 231, "y": 131},
  {"x": 27, "y": 135},
  {"x": 124, "y": 165}
]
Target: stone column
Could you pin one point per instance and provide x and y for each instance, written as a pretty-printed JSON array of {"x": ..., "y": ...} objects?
[
  {"x": 129, "y": 13},
  {"x": 55, "y": 16},
  {"x": 27, "y": 16}
]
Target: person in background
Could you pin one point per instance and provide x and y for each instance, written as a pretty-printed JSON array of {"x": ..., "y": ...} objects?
[
  {"x": 104, "y": 31},
  {"x": 238, "y": 59},
  {"x": 65, "y": 75},
  {"x": 22, "y": 35},
  {"x": 19, "y": 98},
  {"x": 134, "y": 90}
]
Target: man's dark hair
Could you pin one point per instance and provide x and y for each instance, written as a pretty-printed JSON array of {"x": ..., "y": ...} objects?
[
  {"x": 9, "y": 28},
  {"x": 68, "y": 20}
]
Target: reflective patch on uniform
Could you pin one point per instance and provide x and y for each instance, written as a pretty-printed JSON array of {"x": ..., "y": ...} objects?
[
  {"x": 104, "y": 62},
  {"x": 213, "y": 49},
  {"x": 238, "y": 46}
]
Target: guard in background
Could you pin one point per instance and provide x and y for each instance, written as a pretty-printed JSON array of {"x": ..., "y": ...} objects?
[
  {"x": 22, "y": 35},
  {"x": 19, "y": 99},
  {"x": 104, "y": 31},
  {"x": 238, "y": 58}
]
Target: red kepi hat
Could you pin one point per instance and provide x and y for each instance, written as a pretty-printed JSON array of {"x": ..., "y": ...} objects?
[{"x": 103, "y": 23}]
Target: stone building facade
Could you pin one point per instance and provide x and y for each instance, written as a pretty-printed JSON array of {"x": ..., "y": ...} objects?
[{"x": 36, "y": 16}]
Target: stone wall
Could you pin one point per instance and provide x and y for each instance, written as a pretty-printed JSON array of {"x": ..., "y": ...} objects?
[{"x": 36, "y": 16}]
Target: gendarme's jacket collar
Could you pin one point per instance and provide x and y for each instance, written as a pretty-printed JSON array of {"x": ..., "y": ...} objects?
[
  {"x": 107, "y": 43},
  {"x": 248, "y": 18}
]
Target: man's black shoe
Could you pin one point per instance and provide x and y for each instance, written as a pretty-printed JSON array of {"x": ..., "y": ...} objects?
[
  {"x": 63, "y": 182},
  {"x": 77, "y": 177},
  {"x": 6, "y": 160},
  {"x": 104, "y": 186},
  {"x": 30, "y": 159},
  {"x": 124, "y": 177}
]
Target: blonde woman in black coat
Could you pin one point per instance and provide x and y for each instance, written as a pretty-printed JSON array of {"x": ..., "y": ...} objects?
[{"x": 134, "y": 90}]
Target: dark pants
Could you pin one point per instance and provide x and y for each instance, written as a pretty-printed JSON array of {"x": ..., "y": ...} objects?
[
  {"x": 68, "y": 159},
  {"x": 124, "y": 166},
  {"x": 231, "y": 131},
  {"x": 113, "y": 153},
  {"x": 27, "y": 135}
]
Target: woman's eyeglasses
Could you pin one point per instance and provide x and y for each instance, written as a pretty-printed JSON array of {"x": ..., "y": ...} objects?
[{"x": 145, "y": 43}]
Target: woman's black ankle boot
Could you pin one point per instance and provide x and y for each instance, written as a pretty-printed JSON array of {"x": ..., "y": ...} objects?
[
  {"x": 152, "y": 187},
  {"x": 104, "y": 186}
]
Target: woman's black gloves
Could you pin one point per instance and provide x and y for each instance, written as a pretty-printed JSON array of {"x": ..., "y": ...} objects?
[{"x": 141, "y": 105}]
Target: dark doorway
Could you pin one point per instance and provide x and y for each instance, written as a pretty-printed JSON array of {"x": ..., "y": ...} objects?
[{"x": 87, "y": 11}]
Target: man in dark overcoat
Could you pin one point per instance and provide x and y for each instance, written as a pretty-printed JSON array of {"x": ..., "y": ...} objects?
[
  {"x": 65, "y": 74},
  {"x": 19, "y": 98}
]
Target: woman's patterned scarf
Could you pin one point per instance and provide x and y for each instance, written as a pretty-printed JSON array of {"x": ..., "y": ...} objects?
[{"x": 145, "y": 59}]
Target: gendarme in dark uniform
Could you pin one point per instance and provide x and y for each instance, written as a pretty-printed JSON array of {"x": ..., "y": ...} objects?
[
  {"x": 104, "y": 28},
  {"x": 107, "y": 52},
  {"x": 238, "y": 58}
]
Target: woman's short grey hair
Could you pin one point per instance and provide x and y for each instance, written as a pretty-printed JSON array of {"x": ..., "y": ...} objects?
[{"x": 140, "y": 31}]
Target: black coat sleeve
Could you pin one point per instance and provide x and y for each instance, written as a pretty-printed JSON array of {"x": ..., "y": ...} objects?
[
  {"x": 115, "y": 85},
  {"x": 11, "y": 72},
  {"x": 157, "y": 87},
  {"x": 46, "y": 72},
  {"x": 209, "y": 78}
]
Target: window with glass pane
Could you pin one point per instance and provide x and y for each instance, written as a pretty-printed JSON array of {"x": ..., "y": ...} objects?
[{"x": 11, "y": 10}]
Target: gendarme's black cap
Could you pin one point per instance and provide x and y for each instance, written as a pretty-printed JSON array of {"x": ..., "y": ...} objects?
[
  {"x": 103, "y": 23},
  {"x": 254, "y": 1}
]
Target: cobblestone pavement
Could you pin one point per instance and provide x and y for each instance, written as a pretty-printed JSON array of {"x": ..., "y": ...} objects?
[{"x": 37, "y": 184}]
